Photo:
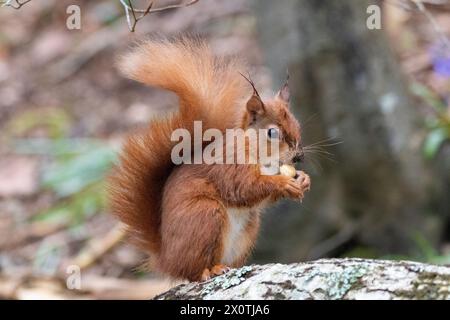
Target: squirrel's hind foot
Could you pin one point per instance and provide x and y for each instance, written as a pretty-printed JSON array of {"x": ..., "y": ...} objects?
[{"x": 216, "y": 270}]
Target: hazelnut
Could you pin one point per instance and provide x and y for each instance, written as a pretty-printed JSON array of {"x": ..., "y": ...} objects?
[{"x": 287, "y": 170}]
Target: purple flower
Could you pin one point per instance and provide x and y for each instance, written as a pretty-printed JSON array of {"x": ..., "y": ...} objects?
[{"x": 440, "y": 57}]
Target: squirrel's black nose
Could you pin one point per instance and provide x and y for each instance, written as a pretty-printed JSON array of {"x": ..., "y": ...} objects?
[{"x": 298, "y": 157}]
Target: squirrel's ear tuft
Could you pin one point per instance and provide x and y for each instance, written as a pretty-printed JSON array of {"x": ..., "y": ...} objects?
[
  {"x": 284, "y": 93},
  {"x": 255, "y": 106}
]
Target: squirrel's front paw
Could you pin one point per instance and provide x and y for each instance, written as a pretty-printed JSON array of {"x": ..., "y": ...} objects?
[
  {"x": 304, "y": 180},
  {"x": 291, "y": 188},
  {"x": 296, "y": 187}
]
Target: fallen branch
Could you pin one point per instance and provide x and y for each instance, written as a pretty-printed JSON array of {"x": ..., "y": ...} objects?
[{"x": 324, "y": 279}]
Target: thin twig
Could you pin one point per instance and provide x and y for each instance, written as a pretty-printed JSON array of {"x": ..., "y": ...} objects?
[
  {"x": 136, "y": 19},
  {"x": 130, "y": 11},
  {"x": 174, "y": 6}
]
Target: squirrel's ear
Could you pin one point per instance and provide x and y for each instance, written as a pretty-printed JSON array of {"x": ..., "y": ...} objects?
[
  {"x": 284, "y": 93},
  {"x": 255, "y": 106}
]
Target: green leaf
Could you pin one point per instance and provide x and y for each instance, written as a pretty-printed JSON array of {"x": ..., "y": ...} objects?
[
  {"x": 433, "y": 142},
  {"x": 77, "y": 208},
  {"x": 68, "y": 177},
  {"x": 76, "y": 176}
]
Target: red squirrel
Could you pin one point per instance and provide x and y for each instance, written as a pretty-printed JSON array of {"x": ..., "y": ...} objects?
[{"x": 198, "y": 220}]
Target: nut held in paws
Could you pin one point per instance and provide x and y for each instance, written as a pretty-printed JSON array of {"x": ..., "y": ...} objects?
[{"x": 287, "y": 170}]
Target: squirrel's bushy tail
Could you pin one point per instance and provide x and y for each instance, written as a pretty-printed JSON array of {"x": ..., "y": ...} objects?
[{"x": 209, "y": 88}]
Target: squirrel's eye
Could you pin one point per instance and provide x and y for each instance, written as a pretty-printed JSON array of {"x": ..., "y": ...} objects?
[{"x": 273, "y": 133}]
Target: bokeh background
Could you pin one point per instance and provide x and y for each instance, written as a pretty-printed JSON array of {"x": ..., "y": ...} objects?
[{"x": 373, "y": 102}]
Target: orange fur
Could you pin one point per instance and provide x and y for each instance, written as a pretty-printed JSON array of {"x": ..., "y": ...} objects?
[{"x": 193, "y": 218}]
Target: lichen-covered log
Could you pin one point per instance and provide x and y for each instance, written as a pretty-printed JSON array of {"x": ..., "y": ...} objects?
[{"x": 324, "y": 279}]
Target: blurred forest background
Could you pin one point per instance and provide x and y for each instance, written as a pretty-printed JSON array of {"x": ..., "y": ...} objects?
[{"x": 377, "y": 101}]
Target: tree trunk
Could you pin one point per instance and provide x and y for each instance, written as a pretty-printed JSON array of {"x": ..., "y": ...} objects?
[
  {"x": 323, "y": 279},
  {"x": 377, "y": 191}
]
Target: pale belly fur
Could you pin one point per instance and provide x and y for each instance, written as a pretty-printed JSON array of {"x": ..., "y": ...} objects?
[{"x": 236, "y": 243}]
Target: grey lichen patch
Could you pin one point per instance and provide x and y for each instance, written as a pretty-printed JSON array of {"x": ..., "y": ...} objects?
[
  {"x": 338, "y": 283},
  {"x": 341, "y": 282},
  {"x": 228, "y": 280},
  {"x": 244, "y": 271}
]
